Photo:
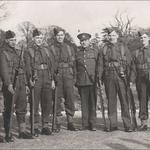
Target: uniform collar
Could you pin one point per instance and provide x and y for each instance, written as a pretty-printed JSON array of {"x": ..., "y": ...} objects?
[
  {"x": 85, "y": 48},
  {"x": 59, "y": 44},
  {"x": 146, "y": 47}
]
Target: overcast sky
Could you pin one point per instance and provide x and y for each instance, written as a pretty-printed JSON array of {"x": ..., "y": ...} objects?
[{"x": 88, "y": 16}]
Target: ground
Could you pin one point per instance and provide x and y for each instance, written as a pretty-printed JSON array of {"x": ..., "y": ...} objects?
[{"x": 82, "y": 139}]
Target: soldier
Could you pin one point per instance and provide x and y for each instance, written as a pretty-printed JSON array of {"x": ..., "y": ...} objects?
[
  {"x": 117, "y": 60},
  {"x": 86, "y": 60},
  {"x": 39, "y": 64},
  {"x": 142, "y": 61},
  {"x": 65, "y": 77},
  {"x": 9, "y": 60}
]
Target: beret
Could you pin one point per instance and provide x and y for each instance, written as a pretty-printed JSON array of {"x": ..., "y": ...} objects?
[
  {"x": 147, "y": 32},
  {"x": 36, "y": 32},
  {"x": 9, "y": 34},
  {"x": 111, "y": 29},
  {"x": 57, "y": 30},
  {"x": 83, "y": 36}
]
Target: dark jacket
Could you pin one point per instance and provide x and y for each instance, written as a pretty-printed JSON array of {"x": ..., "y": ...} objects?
[
  {"x": 64, "y": 57},
  {"x": 90, "y": 59},
  {"x": 142, "y": 61},
  {"x": 9, "y": 62},
  {"x": 118, "y": 57},
  {"x": 38, "y": 60}
]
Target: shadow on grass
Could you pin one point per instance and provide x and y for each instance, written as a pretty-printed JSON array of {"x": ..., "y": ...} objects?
[
  {"x": 116, "y": 146},
  {"x": 135, "y": 142},
  {"x": 77, "y": 123}
]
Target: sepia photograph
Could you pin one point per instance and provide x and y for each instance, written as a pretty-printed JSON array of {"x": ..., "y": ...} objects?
[{"x": 74, "y": 74}]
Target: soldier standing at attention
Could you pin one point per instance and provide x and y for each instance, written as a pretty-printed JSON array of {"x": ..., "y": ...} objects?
[
  {"x": 86, "y": 66},
  {"x": 117, "y": 61},
  {"x": 142, "y": 62},
  {"x": 9, "y": 61},
  {"x": 39, "y": 65},
  {"x": 64, "y": 76}
]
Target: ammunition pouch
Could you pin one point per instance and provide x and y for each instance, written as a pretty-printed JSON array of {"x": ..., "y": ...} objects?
[
  {"x": 143, "y": 66},
  {"x": 41, "y": 67},
  {"x": 65, "y": 65},
  {"x": 20, "y": 71}
]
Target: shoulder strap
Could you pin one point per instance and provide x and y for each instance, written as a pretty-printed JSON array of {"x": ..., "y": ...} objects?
[
  {"x": 53, "y": 50},
  {"x": 105, "y": 50},
  {"x": 31, "y": 52},
  {"x": 7, "y": 56},
  {"x": 122, "y": 51},
  {"x": 137, "y": 53},
  {"x": 47, "y": 52},
  {"x": 69, "y": 51}
]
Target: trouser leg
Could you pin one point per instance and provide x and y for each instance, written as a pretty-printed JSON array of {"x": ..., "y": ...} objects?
[
  {"x": 84, "y": 94},
  {"x": 92, "y": 106},
  {"x": 69, "y": 97},
  {"x": 21, "y": 106},
  {"x": 7, "y": 110},
  {"x": 142, "y": 89},
  {"x": 37, "y": 99},
  {"x": 111, "y": 93},
  {"x": 122, "y": 93},
  {"x": 46, "y": 104},
  {"x": 59, "y": 96}
]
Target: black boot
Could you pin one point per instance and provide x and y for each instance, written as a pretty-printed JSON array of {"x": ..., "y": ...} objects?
[
  {"x": 111, "y": 129},
  {"x": 142, "y": 128},
  {"x": 46, "y": 131},
  {"x": 71, "y": 127},
  {"x": 25, "y": 135},
  {"x": 1, "y": 139},
  {"x": 36, "y": 132},
  {"x": 58, "y": 124},
  {"x": 9, "y": 138}
]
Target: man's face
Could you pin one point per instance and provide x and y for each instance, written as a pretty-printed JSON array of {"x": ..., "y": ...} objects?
[
  {"x": 11, "y": 42},
  {"x": 60, "y": 36},
  {"x": 145, "y": 39},
  {"x": 113, "y": 36},
  {"x": 39, "y": 39},
  {"x": 85, "y": 43}
]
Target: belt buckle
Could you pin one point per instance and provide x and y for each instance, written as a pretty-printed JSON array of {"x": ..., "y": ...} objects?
[{"x": 42, "y": 66}]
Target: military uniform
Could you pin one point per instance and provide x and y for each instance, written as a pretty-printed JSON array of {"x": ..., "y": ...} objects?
[
  {"x": 39, "y": 64},
  {"x": 65, "y": 78},
  {"x": 117, "y": 61},
  {"x": 9, "y": 60},
  {"x": 142, "y": 62},
  {"x": 86, "y": 66}
]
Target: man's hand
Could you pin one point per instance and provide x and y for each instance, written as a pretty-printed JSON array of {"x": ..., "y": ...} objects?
[
  {"x": 31, "y": 83},
  {"x": 53, "y": 84},
  {"x": 27, "y": 90},
  {"x": 74, "y": 81},
  {"x": 131, "y": 84},
  {"x": 10, "y": 89}
]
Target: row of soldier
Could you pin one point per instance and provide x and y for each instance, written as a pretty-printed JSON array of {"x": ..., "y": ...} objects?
[{"x": 60, "y": 67}]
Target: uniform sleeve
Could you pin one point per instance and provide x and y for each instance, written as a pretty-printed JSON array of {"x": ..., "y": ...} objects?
[
  {"x": 100, "y": 64},
  {"x": 4, "y": 66},
  {"x": 132, "y": 67},
  {"x": 54, "y": 63},
  {"x": 74, "y": 65},
  {"x": 51, "y": 64},
  {"x": 133, "y": 71},
  {"x": 28, "y": 68}
]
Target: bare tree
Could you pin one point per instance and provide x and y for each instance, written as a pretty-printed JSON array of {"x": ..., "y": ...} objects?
[
  {"x": 26, "y": 28},
  {"x": 4, "y": 13},
  {"x": 123, "y": 22}
]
